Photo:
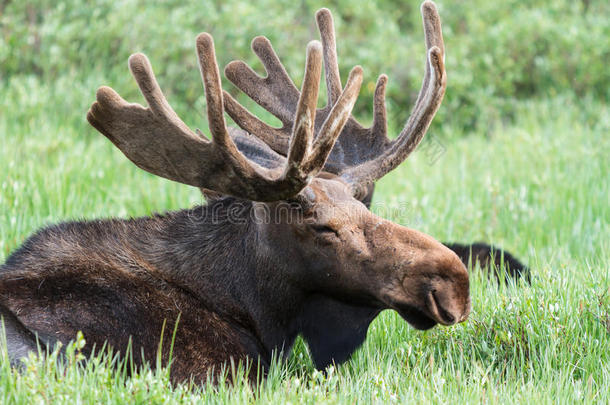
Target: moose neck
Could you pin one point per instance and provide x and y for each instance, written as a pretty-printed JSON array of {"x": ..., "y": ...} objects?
[{"x": 214, "y": 252}]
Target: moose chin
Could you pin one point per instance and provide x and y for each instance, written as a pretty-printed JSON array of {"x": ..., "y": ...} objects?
[{"x": 239, "y": 284}]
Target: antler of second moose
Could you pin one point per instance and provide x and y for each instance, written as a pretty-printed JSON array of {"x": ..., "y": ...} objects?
[{"x": 302, "y": 255}]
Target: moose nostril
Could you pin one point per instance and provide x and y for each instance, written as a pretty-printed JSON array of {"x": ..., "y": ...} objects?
[{"x": 446, "y": 316}]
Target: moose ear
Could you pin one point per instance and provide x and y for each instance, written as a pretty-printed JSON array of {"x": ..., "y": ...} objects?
[
  {"x": 306, "y": 199},
  {"x": 368, "y": 195}
]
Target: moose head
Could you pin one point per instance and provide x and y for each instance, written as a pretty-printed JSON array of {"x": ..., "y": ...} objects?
[{"x": 308, "y": 257}]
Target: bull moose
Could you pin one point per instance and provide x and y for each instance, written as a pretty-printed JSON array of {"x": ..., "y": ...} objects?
[{"x": 285, "y": 245}]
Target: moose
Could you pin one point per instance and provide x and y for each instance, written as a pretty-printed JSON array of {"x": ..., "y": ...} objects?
[{"x": 284, "y": 246}]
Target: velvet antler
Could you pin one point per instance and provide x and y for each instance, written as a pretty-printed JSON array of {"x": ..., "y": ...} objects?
[{"x": 156, "y": 140}]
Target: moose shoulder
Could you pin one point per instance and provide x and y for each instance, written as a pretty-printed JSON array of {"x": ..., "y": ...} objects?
[{"x": 284, "y": 247}]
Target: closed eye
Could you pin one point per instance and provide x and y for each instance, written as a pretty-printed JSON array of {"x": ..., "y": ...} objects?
[{"x": 323, "y": 229}]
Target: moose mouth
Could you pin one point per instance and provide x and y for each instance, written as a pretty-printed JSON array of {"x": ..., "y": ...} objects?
[
  {"x": 420, "y": 319},
  {"x": 415, "y": 317}
]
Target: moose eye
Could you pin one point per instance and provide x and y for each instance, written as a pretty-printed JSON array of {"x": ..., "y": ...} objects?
[{"x": 323, "y": 229}]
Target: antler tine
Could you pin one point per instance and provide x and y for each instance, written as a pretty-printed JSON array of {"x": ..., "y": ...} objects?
[
  {"x": 380, "y": 120},
  {"x": 278, "y": 139},
  {"x": 433, "y": 36},
  {"x": 428, "y": 101},
  {"x": 324, "y": 18},
  {"x": 140, "y": 68},
  {"x": 334, "y": 123},
  {"x": 282, "y": 101},
  {"x": 213, "y": 90},
  {"x": 275, "y": 92},
  {"x": 433, "y": 85},
  {"x": 302, "y": 132},
  {"x": 305, "y": 161}
]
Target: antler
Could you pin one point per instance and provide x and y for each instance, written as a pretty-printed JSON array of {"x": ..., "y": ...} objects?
[
  {"x": 156, "y": 140},
  {"x": 361, "y": 155}
]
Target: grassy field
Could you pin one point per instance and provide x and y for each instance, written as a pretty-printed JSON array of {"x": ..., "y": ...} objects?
[{"x": 537, "y": 184}]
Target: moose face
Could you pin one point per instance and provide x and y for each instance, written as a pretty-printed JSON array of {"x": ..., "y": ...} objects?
[{"x": 351, "y": 254}]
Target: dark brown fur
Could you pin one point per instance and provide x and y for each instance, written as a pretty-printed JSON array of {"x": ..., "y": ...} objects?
[{"x": 105, "y": 279}]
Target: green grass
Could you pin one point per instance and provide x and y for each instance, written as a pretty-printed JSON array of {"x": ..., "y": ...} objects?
[
  {"x": 538, "y": 187},
  {"x": 534, "y": 179}
]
